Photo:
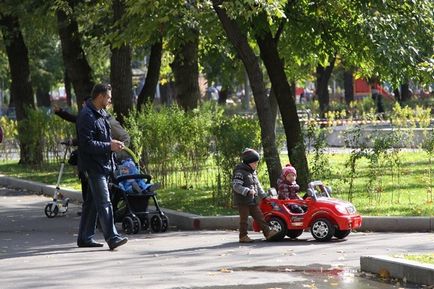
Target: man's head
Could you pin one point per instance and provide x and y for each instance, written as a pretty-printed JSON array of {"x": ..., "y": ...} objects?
[{"x": 101, "y": 95}]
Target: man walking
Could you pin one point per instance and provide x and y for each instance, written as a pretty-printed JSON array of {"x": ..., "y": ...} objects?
[{"x": 95, "y": 160}]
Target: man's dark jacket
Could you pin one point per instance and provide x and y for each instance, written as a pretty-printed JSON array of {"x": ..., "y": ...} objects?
[{"x": 94, "y": 140}]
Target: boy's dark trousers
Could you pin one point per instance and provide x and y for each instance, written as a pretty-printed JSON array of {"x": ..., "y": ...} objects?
[{"x": 255, "y": 212}]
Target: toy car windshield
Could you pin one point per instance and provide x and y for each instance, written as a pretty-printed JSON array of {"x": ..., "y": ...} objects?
[{"x": 317, "y": 189}]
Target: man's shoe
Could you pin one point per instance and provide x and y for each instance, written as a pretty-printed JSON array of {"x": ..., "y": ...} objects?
[
  {"x": 271, "y": 234},
  {"x": 118, "y": 242},
  {"x": 91, "y": 244},
  {"x": 246, "y": 239}
]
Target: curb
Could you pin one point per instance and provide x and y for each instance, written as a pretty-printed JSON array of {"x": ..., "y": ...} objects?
[
  {"x": 386, "y": 266},
  {"x": 188, "y": 221}
]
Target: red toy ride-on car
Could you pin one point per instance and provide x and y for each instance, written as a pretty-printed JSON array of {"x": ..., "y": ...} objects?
[{"x": 325, "y": 216}]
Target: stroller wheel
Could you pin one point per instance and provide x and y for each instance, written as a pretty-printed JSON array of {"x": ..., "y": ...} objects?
[
  {"x": 156, "y": 223},
  {"x": 145, "y": 223},
  {"x": 128, "y": 225},
  {"x": 51, "y": 210},
  {"x": 137, "y": 224},
  {"x": 164, "y": 223}
]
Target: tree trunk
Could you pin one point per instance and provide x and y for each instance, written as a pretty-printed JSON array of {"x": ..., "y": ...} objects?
[
  {"x": 120, "y": 72},
  {"x": 251, "y": 63},
  {"x": 397, "y": 95},
  {"x": 21, "y": 88},
  {"x": 348, "y": 87},
  {"x": 42, "y": 97},
  {"x": 73, "y": 55},
  {"x": 322, "y": 79},
  {"x": 223, "y": 95},
  {"x": 167, "y": 92},
  {"x": 153, "y": 75},
  {"x": 68, "y": 88},
  {"x": 186, "y": 71},
  {"x": 287, "y": 107},
  {"x": 405, "y": 93},
  {"x": 274, "y": 107}
]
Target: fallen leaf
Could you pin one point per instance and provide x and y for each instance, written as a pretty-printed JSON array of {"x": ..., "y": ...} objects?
[
  {"x": 225, "y": 270},
  {"x": 384, "y": 273}
]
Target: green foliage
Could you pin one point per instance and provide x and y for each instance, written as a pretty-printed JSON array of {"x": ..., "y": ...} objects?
[
  {"x": 170, "y": 135},
  {"x": 9, "y": 127},
  {"x": 44, "y": 131},
  {"x": 316, "y": 138},
  {"x": 169, "y": 139},
  {"x": 424, "y": 258},
  {"x": 410, "y": 117},
  {"x": 201, "y": 201},
  {"x": 232, "y": 134}
]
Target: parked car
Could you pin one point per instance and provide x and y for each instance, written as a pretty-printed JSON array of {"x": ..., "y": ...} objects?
[{"x": 326, "y": 217}]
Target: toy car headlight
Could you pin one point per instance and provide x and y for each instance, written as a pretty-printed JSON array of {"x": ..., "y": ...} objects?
[
  {"x": 342, "y": 209},
  {"x": 346, "y": 209}
]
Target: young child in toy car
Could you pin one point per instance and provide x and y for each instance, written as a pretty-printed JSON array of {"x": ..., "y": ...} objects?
[{"x": 288, "y": 188}]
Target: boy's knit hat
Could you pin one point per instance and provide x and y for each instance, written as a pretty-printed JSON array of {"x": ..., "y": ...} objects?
[
  {"x": 288, "y": 169},
  {"x": 249, "y": 156}
]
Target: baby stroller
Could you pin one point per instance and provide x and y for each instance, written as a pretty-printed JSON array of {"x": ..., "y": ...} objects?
[
  {"x": 130, "y": 192},
  {"x": 59, "y": 205}
]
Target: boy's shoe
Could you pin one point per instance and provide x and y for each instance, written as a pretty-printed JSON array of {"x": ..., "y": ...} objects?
[
  {"x": 246, "y": 239},
  {"x": 271, "y": 234}
]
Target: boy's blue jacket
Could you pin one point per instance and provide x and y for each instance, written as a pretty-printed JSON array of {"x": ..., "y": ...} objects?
[{"x": 94, "y": 140}]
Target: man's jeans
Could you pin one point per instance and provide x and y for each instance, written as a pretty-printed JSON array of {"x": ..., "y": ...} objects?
[{"x": 97, "y": 203}]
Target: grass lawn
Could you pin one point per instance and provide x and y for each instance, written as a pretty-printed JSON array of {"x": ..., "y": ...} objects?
[
  {"x": 407, "y": 195},
  {"x": 422, "y": 258}
]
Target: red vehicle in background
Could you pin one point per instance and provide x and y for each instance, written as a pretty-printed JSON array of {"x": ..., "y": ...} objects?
[{"x": 326, "y": 217}]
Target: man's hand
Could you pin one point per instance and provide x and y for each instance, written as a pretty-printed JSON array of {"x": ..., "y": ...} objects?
[{"x": 116, "y": 145}]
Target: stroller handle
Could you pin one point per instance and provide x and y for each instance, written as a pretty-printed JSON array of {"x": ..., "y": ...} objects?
[{"x": 132, "y": 154}]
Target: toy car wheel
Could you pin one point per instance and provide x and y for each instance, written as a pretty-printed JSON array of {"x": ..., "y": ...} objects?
[
  {"x": 164, "y": 223},
  {"x": 136, "y": 224},
  {"x": 51, "y": 210},
  {"x": 128, "y": 225},
  {"x": 322, "y": 230},
  {"x": 278, "y": 225},
  {"x": 340, "y": 234},
  {"x": 156, "y": 223},
  {"x": 293, "y": 234}
]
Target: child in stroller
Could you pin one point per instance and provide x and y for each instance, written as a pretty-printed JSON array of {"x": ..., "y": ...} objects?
[
  {"x": 130, "y": 192},
  {"x": 131, "y": 186}
]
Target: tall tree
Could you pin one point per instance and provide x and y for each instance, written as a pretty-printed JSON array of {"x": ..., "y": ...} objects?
[
  {"x": 177, "y": 24},
  {"x": 322, "y": 89},
  {"x": 239, "y": 40},
  {"x": 185, "y": 68},
  {"x": 74, "y": 58},
  {"x": 348, "y": 87},
  {"x": 21, "y": 86},
  {"x": 147, "y": 93},
  {"x": 120, "y": 69},
  {"x": 282, "y": 91}
]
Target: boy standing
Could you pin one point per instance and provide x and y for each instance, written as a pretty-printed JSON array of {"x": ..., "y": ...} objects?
[{"x": 247, "y": 190}]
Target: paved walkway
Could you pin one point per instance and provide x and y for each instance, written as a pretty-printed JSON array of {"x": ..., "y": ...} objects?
[{"x": 37, "y": 252}]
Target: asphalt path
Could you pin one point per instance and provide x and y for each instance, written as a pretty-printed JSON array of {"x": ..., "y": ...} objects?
[{"x": 37, "y": 252}]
